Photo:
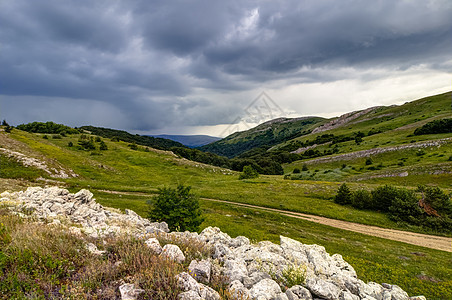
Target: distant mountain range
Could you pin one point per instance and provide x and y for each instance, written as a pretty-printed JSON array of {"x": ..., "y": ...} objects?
[{"x": 191, "y": 141}]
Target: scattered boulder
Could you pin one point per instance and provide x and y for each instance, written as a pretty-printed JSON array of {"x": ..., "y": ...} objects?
[
  {"x": 173, "y": 252},
  {"x": 194, "y": 290},
  {"x": 129, "y": 292},
  {"x": 265, "y": 289},
  {"x": 200, "y": 270},
  {"x": 154, "y": 244},
  {"x": 93, "y": 249},
  {"x": 238, "y": 290}
]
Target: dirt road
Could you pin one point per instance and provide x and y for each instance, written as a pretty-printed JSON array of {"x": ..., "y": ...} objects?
[{"x": 424, "y": 240}]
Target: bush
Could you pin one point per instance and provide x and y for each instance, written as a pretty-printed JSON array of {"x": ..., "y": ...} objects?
[
  {"x": 296, "y": 171},
  {"x": 362, "y": 199},
  {"x": 86, "y": 144},
  {"x": 344, "y": 195},
  {"x": 177, "y": 207},
  {"x": 304, "y": 168},
  {"x": 383, "y": 197},
  {"x": 369, "y": 161},
  {"x": 103, "y": 146},
  {"x": 436, "y": 126},
  {"x": 404, "y": 207},
  {"x": 437, "y": 199},
  {"x": 133, "y": 146},
  {"x": 248, "y": 173}
]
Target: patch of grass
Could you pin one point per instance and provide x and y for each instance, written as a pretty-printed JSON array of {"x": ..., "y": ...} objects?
[
  {"x": 11, "y": 168},
  {"x": 44, "y": 262}
]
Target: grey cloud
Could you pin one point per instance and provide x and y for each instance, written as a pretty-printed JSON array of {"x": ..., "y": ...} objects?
[{"x": 149, "y": 60}]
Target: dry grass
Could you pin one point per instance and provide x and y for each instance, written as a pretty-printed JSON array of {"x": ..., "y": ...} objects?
[{"x": 41, "y": 261}]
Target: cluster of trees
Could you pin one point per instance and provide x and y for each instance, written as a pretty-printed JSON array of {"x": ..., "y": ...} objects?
[
  {"x": 89, "y": 143},
  {"x": 427, "y": 206},
  {"x": 263, "y": 165},
  {"x": 144, "y": 140},
  {"x": 47, "y": 127},
  {"x": 436, "y": 126},
  {"x": 329, "y": 138}
]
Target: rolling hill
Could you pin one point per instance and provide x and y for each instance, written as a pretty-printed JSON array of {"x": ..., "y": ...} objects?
[{"x": 264, "y": 135}]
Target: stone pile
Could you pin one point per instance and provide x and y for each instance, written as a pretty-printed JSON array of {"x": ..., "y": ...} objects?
[
  {"x": 81, "y": 209},
  {"x": 262, "y": 271}
]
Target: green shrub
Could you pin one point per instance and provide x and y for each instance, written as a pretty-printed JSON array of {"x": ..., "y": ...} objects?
[
  {"x": 248, "y": 173},
  {"x": 87, "y": 144},
  {"x": 296, "y": 171},
  {"x": 103, "y": 146},
  {"x": 404, "y": 207},
  {"x": 436, "y": 126},
  {"x": 369, "y": 161},
  {"x": 437, "y": 199},
  {"x": 362, "y": 199},
  {"x": 177, "y": 207},
  {"x": 420, "y": 152},
  {"x": 344, "y": 195},
  {"x": 293, "y": 275},
  {"x": 70, "y": 144},
  {"x": 304, "y": 168},
  {"x": 383, "y": 197}
]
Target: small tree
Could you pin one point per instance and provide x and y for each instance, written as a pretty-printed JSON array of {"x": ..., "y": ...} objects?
[
  {"x": 248, "y": 173},
  {"x": 344, "y": 195},
  {"x": 177, "y": 207},
  {"x": 103, "y": 146},
  {"x": 362, "y": 199},
  {"x": 304, "y": 168},
  {"x": 296, "y": 171}
]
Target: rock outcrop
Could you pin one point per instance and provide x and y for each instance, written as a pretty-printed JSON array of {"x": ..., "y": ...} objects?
[{"x": 263, "y": 271}]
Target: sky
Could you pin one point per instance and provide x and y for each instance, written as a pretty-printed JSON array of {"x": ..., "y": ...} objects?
[{"x": 212, "y": 67}]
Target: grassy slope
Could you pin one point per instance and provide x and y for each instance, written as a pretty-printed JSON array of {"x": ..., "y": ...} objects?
[
  {"x": 398, "y": 130},
  {"x": 269, "y": 133}
]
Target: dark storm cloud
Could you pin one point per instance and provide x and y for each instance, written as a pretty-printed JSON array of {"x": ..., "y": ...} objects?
[{"x": 147, "y": 63}]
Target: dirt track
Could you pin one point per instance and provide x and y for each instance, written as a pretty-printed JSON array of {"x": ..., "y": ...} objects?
[{"x": 418, "y": 239}]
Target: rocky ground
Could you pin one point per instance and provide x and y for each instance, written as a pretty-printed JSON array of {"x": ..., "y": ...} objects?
[{"x": 262, "y": 271}]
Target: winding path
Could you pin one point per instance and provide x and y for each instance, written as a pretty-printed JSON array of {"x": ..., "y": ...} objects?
[{"x": 418, "y": 239}]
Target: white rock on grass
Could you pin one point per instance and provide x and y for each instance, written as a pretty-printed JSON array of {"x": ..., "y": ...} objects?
[
  {"x": 200, "y": 270},
  {"x": 129, "y": 292},
  {"x": 154, "y": 244},
  {"x": 297, "y": 292},
  {"x": 265, "y": 289},
  {"x": 93, "y": 249},
  {"x": 173, "y": 252},
  {"x": 194, "y": 290},
  {"x": 238, "y": 290},
  {"x": 322, "y": 288}
]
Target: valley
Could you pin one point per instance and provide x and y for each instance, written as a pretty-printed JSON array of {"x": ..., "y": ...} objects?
[{"x": 127, "y": 174}]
